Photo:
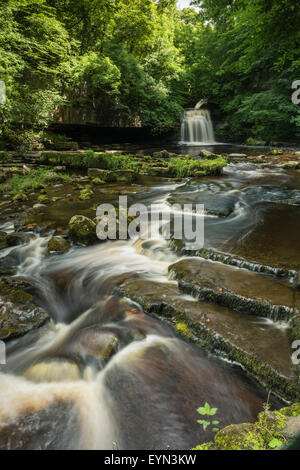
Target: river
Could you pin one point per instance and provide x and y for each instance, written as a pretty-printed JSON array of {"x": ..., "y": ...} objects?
[{"x": 59, "y": 391}]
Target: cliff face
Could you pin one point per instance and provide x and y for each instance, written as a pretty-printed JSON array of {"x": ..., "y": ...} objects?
[{"x": 99, "y": 116}]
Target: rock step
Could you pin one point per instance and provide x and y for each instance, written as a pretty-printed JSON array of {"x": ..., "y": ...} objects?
[
  {"x": 241, "y": 290},
  {"x": 258, "y": 345},
  {"x": 231, "y": 260},
  {"x": 15, "y": 164}
]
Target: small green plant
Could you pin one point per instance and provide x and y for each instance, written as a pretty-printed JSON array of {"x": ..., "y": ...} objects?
[
  {"x": 206, "y": 410},
  {"x": 86, "y": 193},
  {"x": 98, "y": 181},
  {"x": 275, "y": 443},
  {"x": 115, "y": 445}
]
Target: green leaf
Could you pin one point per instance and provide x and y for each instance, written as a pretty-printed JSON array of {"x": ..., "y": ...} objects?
[
  {"x": 216, "y": 422},
  {"x": 204, "y": 423},
  {"x": 275, "y": 443},
  {"x": 201, "y": 411},
  {"x": 216, "y": 429}
]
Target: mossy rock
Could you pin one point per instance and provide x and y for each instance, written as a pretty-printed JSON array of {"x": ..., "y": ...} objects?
[
  {"x": 125, "y": 176},
  {"x": 239, "y": 437},
  {"x": 291, "y": 165},
  {"x": 267, "y": 433},
  {"x": 157, "y": 171},
  {"x": 19, "y": 238},
  {"x": 293, "y": 410},
  {"x": 98, "y": 181},
  {"x": 86, "y": 194},
  {"x": 164, "y": 154},
  {"x": 58, "y": 245},
  {"x": 208, "y": 155},
  {"x": 97, "y": 173},
  {"x": 43, "y": 199},
  {"x": 18, "y": 313},
  {"x": 12, "y": 294},
  {"x": 294, "y": 331},
  {"x": 82, "y": 230}
]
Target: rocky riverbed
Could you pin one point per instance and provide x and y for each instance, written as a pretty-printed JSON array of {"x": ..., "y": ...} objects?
[{"x": 75, "y": 310}]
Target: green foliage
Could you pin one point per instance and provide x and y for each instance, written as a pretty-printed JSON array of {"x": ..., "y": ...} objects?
[
  {"x": 206, "y": 410},
  {"x": 180, "y": 168},
  {"x": 243, "y": 56},
  {"x": 275, "y": 443},
  {"x": 108, "y": 161},
  {"x": 139, "y": 63},
  {"x": 86, "y": 193},
  {"x": 20, "y": 184},
  {"x": 266, "y": 434}
]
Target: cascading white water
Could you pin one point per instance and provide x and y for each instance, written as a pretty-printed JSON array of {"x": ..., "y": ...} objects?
[{"x": 197, "y": 127}]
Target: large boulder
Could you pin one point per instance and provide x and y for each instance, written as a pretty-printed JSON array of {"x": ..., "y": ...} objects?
[
  {"x": 53, "y": 177},
  {"x": 291, "y": 165},
  {"x": 97, "y": 173},
  {"x": 58, "y": 244},
  {"x": 208, "y": 155},
  {"x": 238, "y": 155},
  {"x": 164, "y": 154},
  {"x": 20, "y": 238},
  {"x": 82, "y": 230},
  {"x": 18, "y": 313}
]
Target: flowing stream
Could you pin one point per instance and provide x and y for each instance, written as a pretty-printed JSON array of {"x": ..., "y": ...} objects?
[{"x": 104, "y": 374}]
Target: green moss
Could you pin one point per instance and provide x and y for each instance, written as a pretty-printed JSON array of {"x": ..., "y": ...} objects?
[
  {"x": 86, "y": 193},
  {"x": 293, "y": 410},
  {"x": 43, "y": 198},
  {"x": 58, "y": 245},
  {"x": 258, "y": 436},
  {"x": 98, "y": 181},
  {"x": 83, "y": 230},
  {"x": 182, "y": 168},
  {"x": 239, "y": 437},
  {"x": 202, "y": 335},
  {"x": 14, "y": 295},
  {"x": 20, "y": 184},
  {"x": 183, "y": 329},
  {"x": 20, "y": 196}
]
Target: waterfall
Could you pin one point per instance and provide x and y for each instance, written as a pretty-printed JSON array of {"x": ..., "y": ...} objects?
[{"x": 197, "y": 127}]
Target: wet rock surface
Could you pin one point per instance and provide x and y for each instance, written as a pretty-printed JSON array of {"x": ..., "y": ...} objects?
[
  {"x": 47, "y": 429},
  {"x": 58, "y": 244},
  {"x": 18, "y": 313},
  {"x": 241, "y": 338},
  {"x": 82, "y": 230},
  {"x": 223, "y": 327},
  {"x": 241, "y": 290}
]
